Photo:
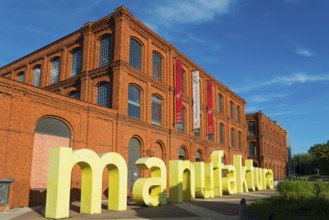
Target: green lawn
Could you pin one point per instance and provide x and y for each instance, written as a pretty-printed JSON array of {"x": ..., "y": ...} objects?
[{"x": 262, "y": 209}]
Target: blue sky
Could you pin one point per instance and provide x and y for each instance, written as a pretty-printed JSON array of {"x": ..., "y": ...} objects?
[{"x": 273, "y": 53}]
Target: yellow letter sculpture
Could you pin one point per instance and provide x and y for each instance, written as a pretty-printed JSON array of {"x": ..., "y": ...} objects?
[
  {"x": 269, "y": 179},
  {"x": 181, "y": 181},
  {"x": 258, "y": 178},
  {"x": 61, "y": 162},
  {"x": 151, "y": 191},
  {"x": 241, "y": 183},
  {"x": 204, "y": 180},
  {"x": 216, "y": 160},
  {"x": 250, "y": 174}
]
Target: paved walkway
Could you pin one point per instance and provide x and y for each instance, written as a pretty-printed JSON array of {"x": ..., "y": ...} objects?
[{"x": 225, "y": 207}]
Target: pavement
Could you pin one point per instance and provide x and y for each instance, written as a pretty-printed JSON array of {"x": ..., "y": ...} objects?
[{"x": 225, "y": 207}]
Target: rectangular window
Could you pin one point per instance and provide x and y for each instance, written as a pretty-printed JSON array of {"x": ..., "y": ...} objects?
[
  {"x": 220, "y": 103},
  {"x": 157, "y": 67},
  {"x": 231, "y": 110},
  {"x": 54, "y": 73},
  {"x": 76, "y": 63},
  {"x": 135, "y": 54},
  {"x": 134, "y": 102},
  {"x": 36, "y": 77},
  {"x": 156, "y": 110},
  {"x": 105, "y": 50}
]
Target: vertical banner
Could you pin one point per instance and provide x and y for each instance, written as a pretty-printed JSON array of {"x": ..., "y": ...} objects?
[
  {"x": 178, "y": 91},
  {"x": 210, "y": 109},
  {"x": 196, "y": 100}
]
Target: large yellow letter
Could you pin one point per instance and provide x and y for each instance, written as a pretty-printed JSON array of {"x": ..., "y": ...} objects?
[
  {"x": 61, "y": 162},
  {"x": 229, "y": 181},
  {"x": 250, "y": 174},
  {"x": 269, "y": 179},
  {"x": 241, "y": 184},
  {"x": 204, "y": 180},
  {"x": 181, "y": 181},
  {"x": 151, "y": 191},
  {"x": 258, "y": 178},
  {"x": 216, "y": 160}
]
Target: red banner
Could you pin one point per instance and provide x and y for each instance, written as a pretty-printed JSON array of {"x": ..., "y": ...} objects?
[
  {"x": 210, "y": 110},
  {"x": 178, "y": 91}
]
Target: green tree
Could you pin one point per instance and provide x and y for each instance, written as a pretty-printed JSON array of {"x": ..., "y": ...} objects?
[
  {"x": 320, "y": 153},
  {"x": 304, "y": 164}
]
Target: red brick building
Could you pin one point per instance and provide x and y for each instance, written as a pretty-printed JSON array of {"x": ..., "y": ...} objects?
[
  {"x": 267, "y": 143},
  {"x": 109, "y": 86}
]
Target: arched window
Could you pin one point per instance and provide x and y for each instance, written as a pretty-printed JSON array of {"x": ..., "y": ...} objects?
[
  {"x": 157, "y": 67},
  {"x": 134, "y": 102},
  {"x": 198, "y": 156},
  {"x": 135, "y": 54},
  {"x": 231, "y": 110},
  {"x": 238, "y": 113},
  {"x": 103, "y": 94},
  {"x": 232, "y": 137},
  {"x": 181, "y": 126},
  {"x": 21, "y": 77},
  {"x": 76, "y": 62},
  {"x": 220, "y": 103},
  {"x": 75, "y": 94},
  {"x": 221, "y": 133},
  {"x": 182, "y": 153},
  {"x": 49, "y": 132},
  {"x": 156, "y": 110},
  {"x": 251, "y": 128},
  {"x": 54, "y": 73},
  {"x": 252, "y": 148},
  {"x": 105, "y": 51},
  {"x": 36, "y": 76},
  {"x": 239, "y": 139}
]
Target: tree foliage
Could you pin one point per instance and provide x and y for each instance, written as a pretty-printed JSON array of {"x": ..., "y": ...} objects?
[{"x": 316, "y": 158}]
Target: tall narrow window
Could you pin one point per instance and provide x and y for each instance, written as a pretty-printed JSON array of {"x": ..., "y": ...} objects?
[
  {"x": 220, "y": 103},
  {"x": 198, "y": 157},
  {"x": 105, "y": 50},
  {"x": 239, "y": 139},
  {"x": 252, "y": 148},
  {"x": 75, "y": 94},
  {"x": 157, "y": 67},
  {"x": 251, "y": 128},
  {"x": 238, "y": 113},
  {"x": 135, "y": 54},
  {"x": 232, "y": 137},
  {"x": 231, "y": 109},
  {"x": 181, "y": 126},
  {"x": 134, "y": 102},
  {"x": 21, "y": 76},
  {"x": 156, "y": 110},
  {"x": 221, "y": 133},
  {"x": 182, "y": 153},
  {"x": 103, "y": 95},
  {"x": 36, "y": 76},
  {"x": 54, "y": 73},
  {"x": 76, "y": 62}
]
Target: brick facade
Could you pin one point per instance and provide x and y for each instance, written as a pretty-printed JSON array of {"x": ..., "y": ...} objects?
[
  {"x": 105, "y": 129},
  {"x": 271, "y": 144}
]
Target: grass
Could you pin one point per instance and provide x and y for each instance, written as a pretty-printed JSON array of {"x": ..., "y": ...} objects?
[{"x": 295, "y": 200}]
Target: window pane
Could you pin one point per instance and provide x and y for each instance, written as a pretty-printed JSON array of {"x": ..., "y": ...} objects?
[
  {"x": 197, "y": 156},
  {"x": 21, "y": 77},
  {"x": 134, "y": 102},
  {"x": 238, "y": 113},
  {"x": 156, "y": 110},
  {"x": 157, "y": 67},
  {"x": 105, "y": 50},
  {"x": 232, "y": 137},
  {"x": 220, "y": 103},
  {"x": 231, "y": 109},
  {"x": 252, "y": 149},
  {"x": 182, "y": 154},
  {"x": 54, "y": 73},
  {"x": 221, "y": 134},
  {"x": 135, "y": 54},
  {"x": 36, "y": 77},
  {"x": 76, "y": 62},
  {"x": 251, "y": 128},
  {"x": 239, "y": 139},
  {"x": 75, "y": 95},
  {"x": 103, "y": 96}
]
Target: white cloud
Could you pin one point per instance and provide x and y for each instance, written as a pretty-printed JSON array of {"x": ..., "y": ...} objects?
[
  {"x": 192, "y": 11},
  {"x": 304, "y": 52},
  {"x": 265, "y": 98},
  {"x": 285, "y": 80}
]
